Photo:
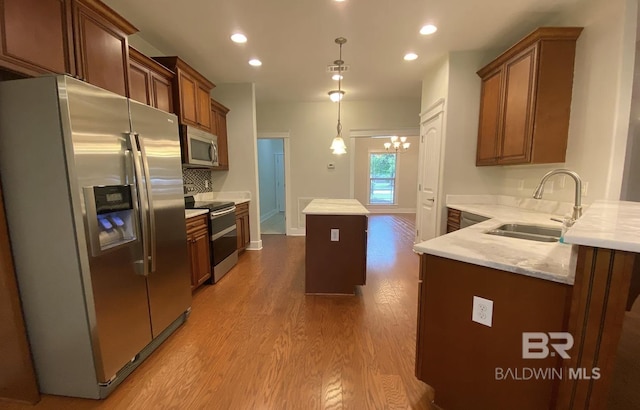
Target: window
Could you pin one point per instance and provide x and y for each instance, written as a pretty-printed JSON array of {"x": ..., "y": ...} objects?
[{"x": 382, "y": 178}]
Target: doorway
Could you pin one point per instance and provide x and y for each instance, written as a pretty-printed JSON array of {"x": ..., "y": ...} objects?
[{"x": 271, "y": 178}]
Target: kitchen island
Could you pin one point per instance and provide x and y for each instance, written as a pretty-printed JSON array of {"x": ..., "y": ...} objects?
[{"x": 336, "y": 246}]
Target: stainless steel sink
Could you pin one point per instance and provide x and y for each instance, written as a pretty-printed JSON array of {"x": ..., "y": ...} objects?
[{"x": 528, "y": 232}]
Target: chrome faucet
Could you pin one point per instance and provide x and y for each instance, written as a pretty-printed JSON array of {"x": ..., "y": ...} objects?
[{"x": 577, "y": 207}]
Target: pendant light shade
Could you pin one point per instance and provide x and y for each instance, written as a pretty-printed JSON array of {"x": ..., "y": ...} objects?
[{"x": 338, "y": 147}]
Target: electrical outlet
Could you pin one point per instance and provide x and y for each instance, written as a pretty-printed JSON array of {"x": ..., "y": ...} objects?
[
  {"x": 206, "y": 183},
  {"x": 482, "y": 311},
  {"x": 521, "y": 185},
  {"x": 585, "y": 188},
  {"x": 335, "y": 235},
  {"x": 548, "y": 187}
]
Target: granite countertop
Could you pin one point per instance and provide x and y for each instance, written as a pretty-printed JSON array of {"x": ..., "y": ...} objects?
[
  {"x": 335, "y": 207},
  {"x": 550, "y": 261},
  {"x": 190, "y": 213},
  {"x": 608, "y": 224}
]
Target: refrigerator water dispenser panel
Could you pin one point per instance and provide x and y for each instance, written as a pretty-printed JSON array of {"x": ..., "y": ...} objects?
[{"x": 110, "y": 217}]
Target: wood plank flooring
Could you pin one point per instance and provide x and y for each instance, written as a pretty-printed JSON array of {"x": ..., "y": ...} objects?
[{"x": 255, "y": 341}]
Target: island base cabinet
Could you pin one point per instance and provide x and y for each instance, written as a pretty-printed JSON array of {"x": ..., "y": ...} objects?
[
  {"x": 335, "y": 265},
  {"x": 473, "y": 366}
]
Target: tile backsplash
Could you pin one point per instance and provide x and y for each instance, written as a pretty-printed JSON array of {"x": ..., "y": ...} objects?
[{"x": 200, "y": 179}]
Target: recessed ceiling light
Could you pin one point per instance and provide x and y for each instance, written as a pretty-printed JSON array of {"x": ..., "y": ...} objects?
[
  {"x": 338, "y": 1},
  {"x": 410, "y": 56},
  {"x": 238, "y": 38},
  {"x": 337, "y": 77},
  {"x": 428, "y": 29},
  {"x": 255, "y": 62}
]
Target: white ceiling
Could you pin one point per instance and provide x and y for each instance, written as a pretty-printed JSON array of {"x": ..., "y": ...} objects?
[{"x": 295, "y": 39}]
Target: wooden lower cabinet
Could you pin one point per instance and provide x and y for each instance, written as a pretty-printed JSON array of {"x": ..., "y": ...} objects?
[
  {"x": 198, "y": 246},
  {"x": 335, "y": 267},
  {"x": 242, "y": 226},
  {"x": 453, "y": 220},
  {"x": 466, "y": 362}
]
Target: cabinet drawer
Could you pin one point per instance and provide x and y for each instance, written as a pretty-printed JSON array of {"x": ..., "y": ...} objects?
[
  {"x": 197, "y": 223},
  {"x": 453, "y": 216}
]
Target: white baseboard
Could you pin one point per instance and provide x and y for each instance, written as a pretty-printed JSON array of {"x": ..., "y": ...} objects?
[
  {"x": 392, "y": 210},
  {"x": 297, "y": 232},
  {"x": 268, "y": 215},
  {"x": 255, "y": 245}
]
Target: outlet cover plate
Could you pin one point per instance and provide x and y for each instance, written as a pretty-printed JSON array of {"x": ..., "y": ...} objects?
[
  {"x": 335, "y": 235},
  {"x": 482, "y": 311}
]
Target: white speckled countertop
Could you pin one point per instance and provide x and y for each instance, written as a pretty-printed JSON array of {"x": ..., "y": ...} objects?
[
  {"x": 190, "y": 213},
  {"x": 549, "y": 261},
  {"x": 335, "y": 207},
  {"x": 238, "y": 197},
  {"x": 610, "y": 225}
]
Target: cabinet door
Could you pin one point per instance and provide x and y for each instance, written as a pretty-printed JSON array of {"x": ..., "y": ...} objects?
[
  {"x": 162, "y": 93},
  {"x": 219, "y": 127},
  {"x": 246, "y": 234},
  {"x": 102, "y": 50},
  {"x": 204, "y": 108},
  {"x": 240, "y": 230},
  {"x": 139, "y": 83},
  {"x": 202, "y": 270},
  {"x": 188, "y": 99},
  {"x": 489, "y": 125},
  {"x": 518, "y": 108},
  {"x": 36, "y": 37}
]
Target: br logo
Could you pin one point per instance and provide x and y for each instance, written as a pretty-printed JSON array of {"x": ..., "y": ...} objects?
[{"x": 535, "y": 345}]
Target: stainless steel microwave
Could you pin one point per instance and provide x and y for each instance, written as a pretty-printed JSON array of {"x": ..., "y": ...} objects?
[{"x": 202, "y": 148}]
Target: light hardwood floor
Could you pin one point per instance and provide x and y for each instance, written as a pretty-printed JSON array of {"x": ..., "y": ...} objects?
[{"x": 255, "y": 341}]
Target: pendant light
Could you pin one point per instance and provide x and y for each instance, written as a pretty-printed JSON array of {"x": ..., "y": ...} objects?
[{"x": 337, "y": 145}]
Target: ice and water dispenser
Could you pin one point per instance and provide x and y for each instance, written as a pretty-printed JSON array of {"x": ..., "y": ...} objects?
[{"x": 111, "y": 216}]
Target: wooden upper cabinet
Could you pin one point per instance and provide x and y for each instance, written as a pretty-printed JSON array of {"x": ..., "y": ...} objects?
[
  {"x": 36, "y": 37},
  {"x": 149, "y": 82},
  {"x": 203, "y": 109},
  {"x": 188, "y": 99},
  {"x": 219, "y": 127},
  {"x": 101, "y": 45},
  {"x": 191, "y": 94},
  {"x": 518, "y": 95},
  {"x": 487, "y": 153},
  {"x": 526, "y": 100}
]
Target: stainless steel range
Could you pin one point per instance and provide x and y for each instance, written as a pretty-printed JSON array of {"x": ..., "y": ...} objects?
[{"x": 222, "y": 233}]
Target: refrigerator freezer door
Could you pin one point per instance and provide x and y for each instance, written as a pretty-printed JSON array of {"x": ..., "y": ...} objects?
[
  {"x": 169, "y": 279},
  {"x": 99, "y": 125}
]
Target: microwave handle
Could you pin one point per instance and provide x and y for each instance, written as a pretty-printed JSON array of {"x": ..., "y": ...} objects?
[{"x": 214, "y": 152}]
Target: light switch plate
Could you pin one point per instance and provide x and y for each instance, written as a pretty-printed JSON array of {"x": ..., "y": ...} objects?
[
  {"x": 482, "y": 311},
  {"x": 335, "y": 235}
]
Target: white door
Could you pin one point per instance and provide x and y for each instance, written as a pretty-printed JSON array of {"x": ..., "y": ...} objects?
[
  {"x": 279, "y": 159},
  {"x": 429, "y": 177}
]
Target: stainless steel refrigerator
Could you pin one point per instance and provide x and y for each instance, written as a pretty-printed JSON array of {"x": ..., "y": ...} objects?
[{"x": 92, "y": 183}]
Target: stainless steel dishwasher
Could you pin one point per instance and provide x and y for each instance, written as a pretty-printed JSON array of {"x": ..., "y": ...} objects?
[{"x": 468, "y": 219}]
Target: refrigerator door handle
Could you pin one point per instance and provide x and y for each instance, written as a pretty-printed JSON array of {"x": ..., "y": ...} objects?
[
  {"x": 150, "y": 209},
  {"x": 143, "y": 204}
]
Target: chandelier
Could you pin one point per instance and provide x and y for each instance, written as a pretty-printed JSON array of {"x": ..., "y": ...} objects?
[
  {"x": 337, "y": 145},
  {"x": 397, "y": 144}
]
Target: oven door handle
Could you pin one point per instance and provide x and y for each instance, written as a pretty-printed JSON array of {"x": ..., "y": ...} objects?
[
  {"x": 214, "y": 215},
  {"x": 223, "y": 233}
]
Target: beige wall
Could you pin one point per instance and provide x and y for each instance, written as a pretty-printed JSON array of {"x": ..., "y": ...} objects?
[
  {"x": 631, "y": 182},
  {"x": 600, "y": 106},
  {"x": 311, "y": 128},
  {"x": 242, "y": 142},
  {"x": 406, "y": 177},
  {"x": 599, "y": 111}
]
